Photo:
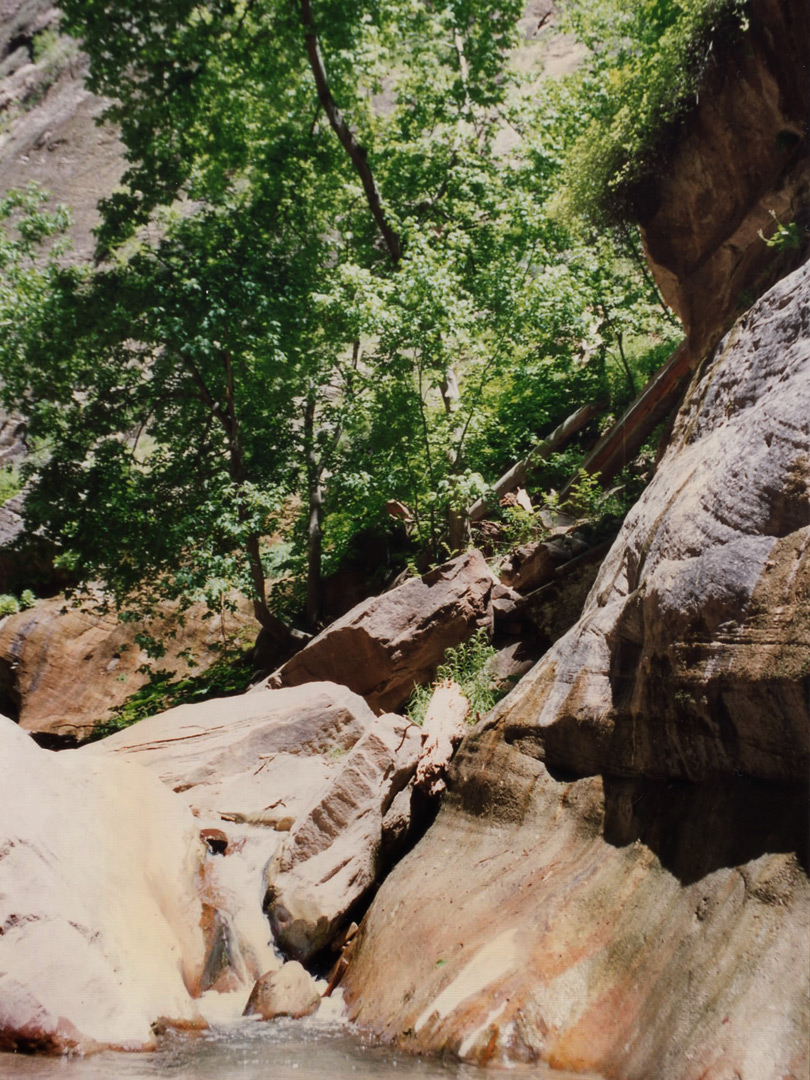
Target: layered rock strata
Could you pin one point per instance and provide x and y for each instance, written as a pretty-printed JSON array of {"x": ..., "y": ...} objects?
[{"x": 618, "y": 879}]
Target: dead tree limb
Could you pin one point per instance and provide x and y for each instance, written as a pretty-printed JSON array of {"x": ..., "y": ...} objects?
[
  {"x": 622, "y": 442},
  {"x": 518, "y": 473}
]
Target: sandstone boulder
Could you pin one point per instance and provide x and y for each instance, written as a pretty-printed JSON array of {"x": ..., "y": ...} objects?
[
  {"x": 249, "y": 767},
  {"x": 532, "y": 565},
  {"x": 691, "y": 657},
  {"x": 331, "y": 859},
  {"x": 99, "y": 910},
  {"x": 290, "y": 991},
  {"x": 610, "y": 927},
  {"x": 387, "y": 645},
  {"x": 63, "y": 669}
]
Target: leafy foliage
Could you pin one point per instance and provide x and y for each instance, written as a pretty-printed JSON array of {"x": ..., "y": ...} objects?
[
  {"x": 468, "y": 665},
  {"x": 292, "y": 323},
  {"x": 646, "y": 63},
  {"x": 228, "y": 675}
]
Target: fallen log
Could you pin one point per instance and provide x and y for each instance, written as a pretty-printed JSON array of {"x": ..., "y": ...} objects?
[
  {"x": 620, "y": 444},
  {"x": 518, "y": 473}
]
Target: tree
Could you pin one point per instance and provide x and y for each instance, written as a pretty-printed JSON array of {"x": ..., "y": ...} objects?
[{"x": 321, "y": 279}]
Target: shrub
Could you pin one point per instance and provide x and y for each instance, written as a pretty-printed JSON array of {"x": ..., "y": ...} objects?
[{"x": 467, "y": 664}]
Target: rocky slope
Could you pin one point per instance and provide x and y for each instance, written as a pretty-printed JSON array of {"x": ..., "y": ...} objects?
[{"x": 618, "y": 880}]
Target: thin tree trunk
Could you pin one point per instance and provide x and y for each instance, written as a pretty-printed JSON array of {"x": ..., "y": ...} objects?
[
  {"x": 315, "y": 520},
  {"x": 264, "y": 616},
  {"x": 357, "y": 153}
]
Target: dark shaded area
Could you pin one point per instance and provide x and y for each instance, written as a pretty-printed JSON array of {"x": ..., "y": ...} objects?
[{"x": 695, "y": 829}]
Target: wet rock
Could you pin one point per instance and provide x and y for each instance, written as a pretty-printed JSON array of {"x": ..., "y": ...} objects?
[
  {"x": 290, "y": 991},
  {"x": 393, "y": 642},
  {"x": 249, "y": 767},
  {"x": 99, "y": 911}
]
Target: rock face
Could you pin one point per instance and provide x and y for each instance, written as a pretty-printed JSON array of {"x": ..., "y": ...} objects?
[
  {"x": 99, "y": 911},
  {"x": 305, "y": 794},
  {"x": 50, "y": 135},
  {"x": 385, "y": 646},
  {"x": 63, "y": 669},
  {"x": 331, "y": 858},
  {"x": 618, "y": 879},
  {"x": 692, "y": 656},
  {"x": 742, "y": 156}
]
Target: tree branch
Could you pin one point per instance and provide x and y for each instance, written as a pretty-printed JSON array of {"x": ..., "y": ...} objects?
[{"x": 357, "y": 153}]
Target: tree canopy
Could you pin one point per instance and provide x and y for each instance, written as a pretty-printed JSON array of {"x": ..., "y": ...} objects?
[{"x": 335, "y": 275}]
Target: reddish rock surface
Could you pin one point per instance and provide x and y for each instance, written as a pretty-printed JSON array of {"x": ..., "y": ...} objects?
[
  {"x": 62, "y": 669},
  {"x": 618, "y": 880},
  {"x": 387, "y": 645},
  {"x": 742, "y": 157}
]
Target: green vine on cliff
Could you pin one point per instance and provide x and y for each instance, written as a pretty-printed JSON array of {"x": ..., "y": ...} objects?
[{"x": 646, "y": 64}]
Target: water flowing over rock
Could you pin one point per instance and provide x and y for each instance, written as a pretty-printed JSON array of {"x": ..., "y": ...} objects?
[
  {"x": 385, "y": 646},
  {"x": 617, "y": 880},
  {"x": 302, "y": 793},
  {"x": 99, "y": 912}
]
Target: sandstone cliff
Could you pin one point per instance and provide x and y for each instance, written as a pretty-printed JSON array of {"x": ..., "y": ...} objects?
[{"x": 618, "y": 881}]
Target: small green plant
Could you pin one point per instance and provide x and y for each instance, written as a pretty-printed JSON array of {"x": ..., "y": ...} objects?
[
  {"x": 520, "y": 526},
  {"x": 785, "y": 237},
  {"x": 27, "y": 599},
  {"x": 586, "y": 494},
  {"x": 9, "y": 605},
  {"x": 10, "y": 483},
  {"x": 468, "y": 665}
]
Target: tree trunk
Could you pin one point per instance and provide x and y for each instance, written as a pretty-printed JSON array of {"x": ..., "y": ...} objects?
[
  {"x": 357, "y": 153},
  {"x": 315, "y": 520}
]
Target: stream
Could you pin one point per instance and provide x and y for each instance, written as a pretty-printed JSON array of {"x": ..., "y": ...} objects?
[{"x": 254, "y": 1050}]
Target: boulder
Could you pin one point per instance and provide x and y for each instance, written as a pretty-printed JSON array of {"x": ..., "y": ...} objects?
[
  {"x": 617, "y": 880},
  {"x": 443, "y": 728},
  {"x": 692, "y": 654},
  {"x": 63, "y": 669},
  {"x": 249, "y": 767},
  {"x": 387, "y": 645},
  {"x": 331, "y": 858},
  {"x": 290, "y": 991},
  {"x": 610, "y": 927},
  {"x": 99, "y": 910},
  {"x": 532, "y": 565}
]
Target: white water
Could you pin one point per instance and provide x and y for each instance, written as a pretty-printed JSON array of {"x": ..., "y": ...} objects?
[{"x": 254, "y": 1050}]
